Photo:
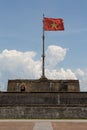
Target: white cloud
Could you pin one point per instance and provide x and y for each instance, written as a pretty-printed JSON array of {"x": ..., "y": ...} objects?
[
  {"x": 60, "y": 74},
  {"x": 79, "y": 72},
  {"x": 82, "y": 76},
  {"x": 83, "y": 84},
  {"x": 15, "y": 64},
  {"x": 22, "y": 65},
  {"x": 54, "y": 55}
]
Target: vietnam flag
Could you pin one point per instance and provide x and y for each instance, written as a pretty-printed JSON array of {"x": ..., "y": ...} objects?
[{"x": 53, "y": 24}]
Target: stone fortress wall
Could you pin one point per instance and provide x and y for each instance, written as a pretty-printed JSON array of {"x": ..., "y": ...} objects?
[
  {"x": 43, "y": 99},
  {"x": 43, "y": 105}
]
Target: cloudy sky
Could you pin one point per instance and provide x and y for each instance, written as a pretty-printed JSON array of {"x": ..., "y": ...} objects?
[{"x": 21, "y": 40}]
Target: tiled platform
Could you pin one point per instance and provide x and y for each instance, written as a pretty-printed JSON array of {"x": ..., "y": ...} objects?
[{"x": 43, "y": 124}]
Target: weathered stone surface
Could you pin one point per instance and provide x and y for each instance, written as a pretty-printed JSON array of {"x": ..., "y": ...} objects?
[
  {"x": 43, "y": 105},
  {"x": 21, "y": 112},
  {"x": 43, "y": 126},
  {"x": 41, "y": 98},
  {"x": 43, "y": 85}
]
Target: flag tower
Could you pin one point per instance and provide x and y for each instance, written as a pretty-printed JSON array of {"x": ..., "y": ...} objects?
[{"x": 49, "y": 24}]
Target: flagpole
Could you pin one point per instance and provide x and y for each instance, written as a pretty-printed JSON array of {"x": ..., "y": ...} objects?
[{"x": 43, "y": 52}]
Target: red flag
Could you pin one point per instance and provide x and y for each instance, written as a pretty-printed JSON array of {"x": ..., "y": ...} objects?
[{"x": 53, "y": 24}]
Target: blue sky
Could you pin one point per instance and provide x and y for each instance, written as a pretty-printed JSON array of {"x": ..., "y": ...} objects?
[{"x": 21, "y": 28}]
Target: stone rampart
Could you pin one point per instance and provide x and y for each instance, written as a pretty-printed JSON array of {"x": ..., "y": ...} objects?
[
  {"x": 52, "y": 98},
  {"x": 51, "y": 105},
  {"x": 27, "y": 112}
]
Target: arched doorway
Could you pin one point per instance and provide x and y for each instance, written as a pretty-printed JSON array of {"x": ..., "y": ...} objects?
[{"x": 22, "y": 87}]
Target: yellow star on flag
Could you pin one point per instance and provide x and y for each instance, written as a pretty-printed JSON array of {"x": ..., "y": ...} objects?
[{"x": 54, "y": 25}]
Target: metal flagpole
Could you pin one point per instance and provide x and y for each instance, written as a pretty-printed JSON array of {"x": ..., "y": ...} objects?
[{"x": 43, "y": 52}]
